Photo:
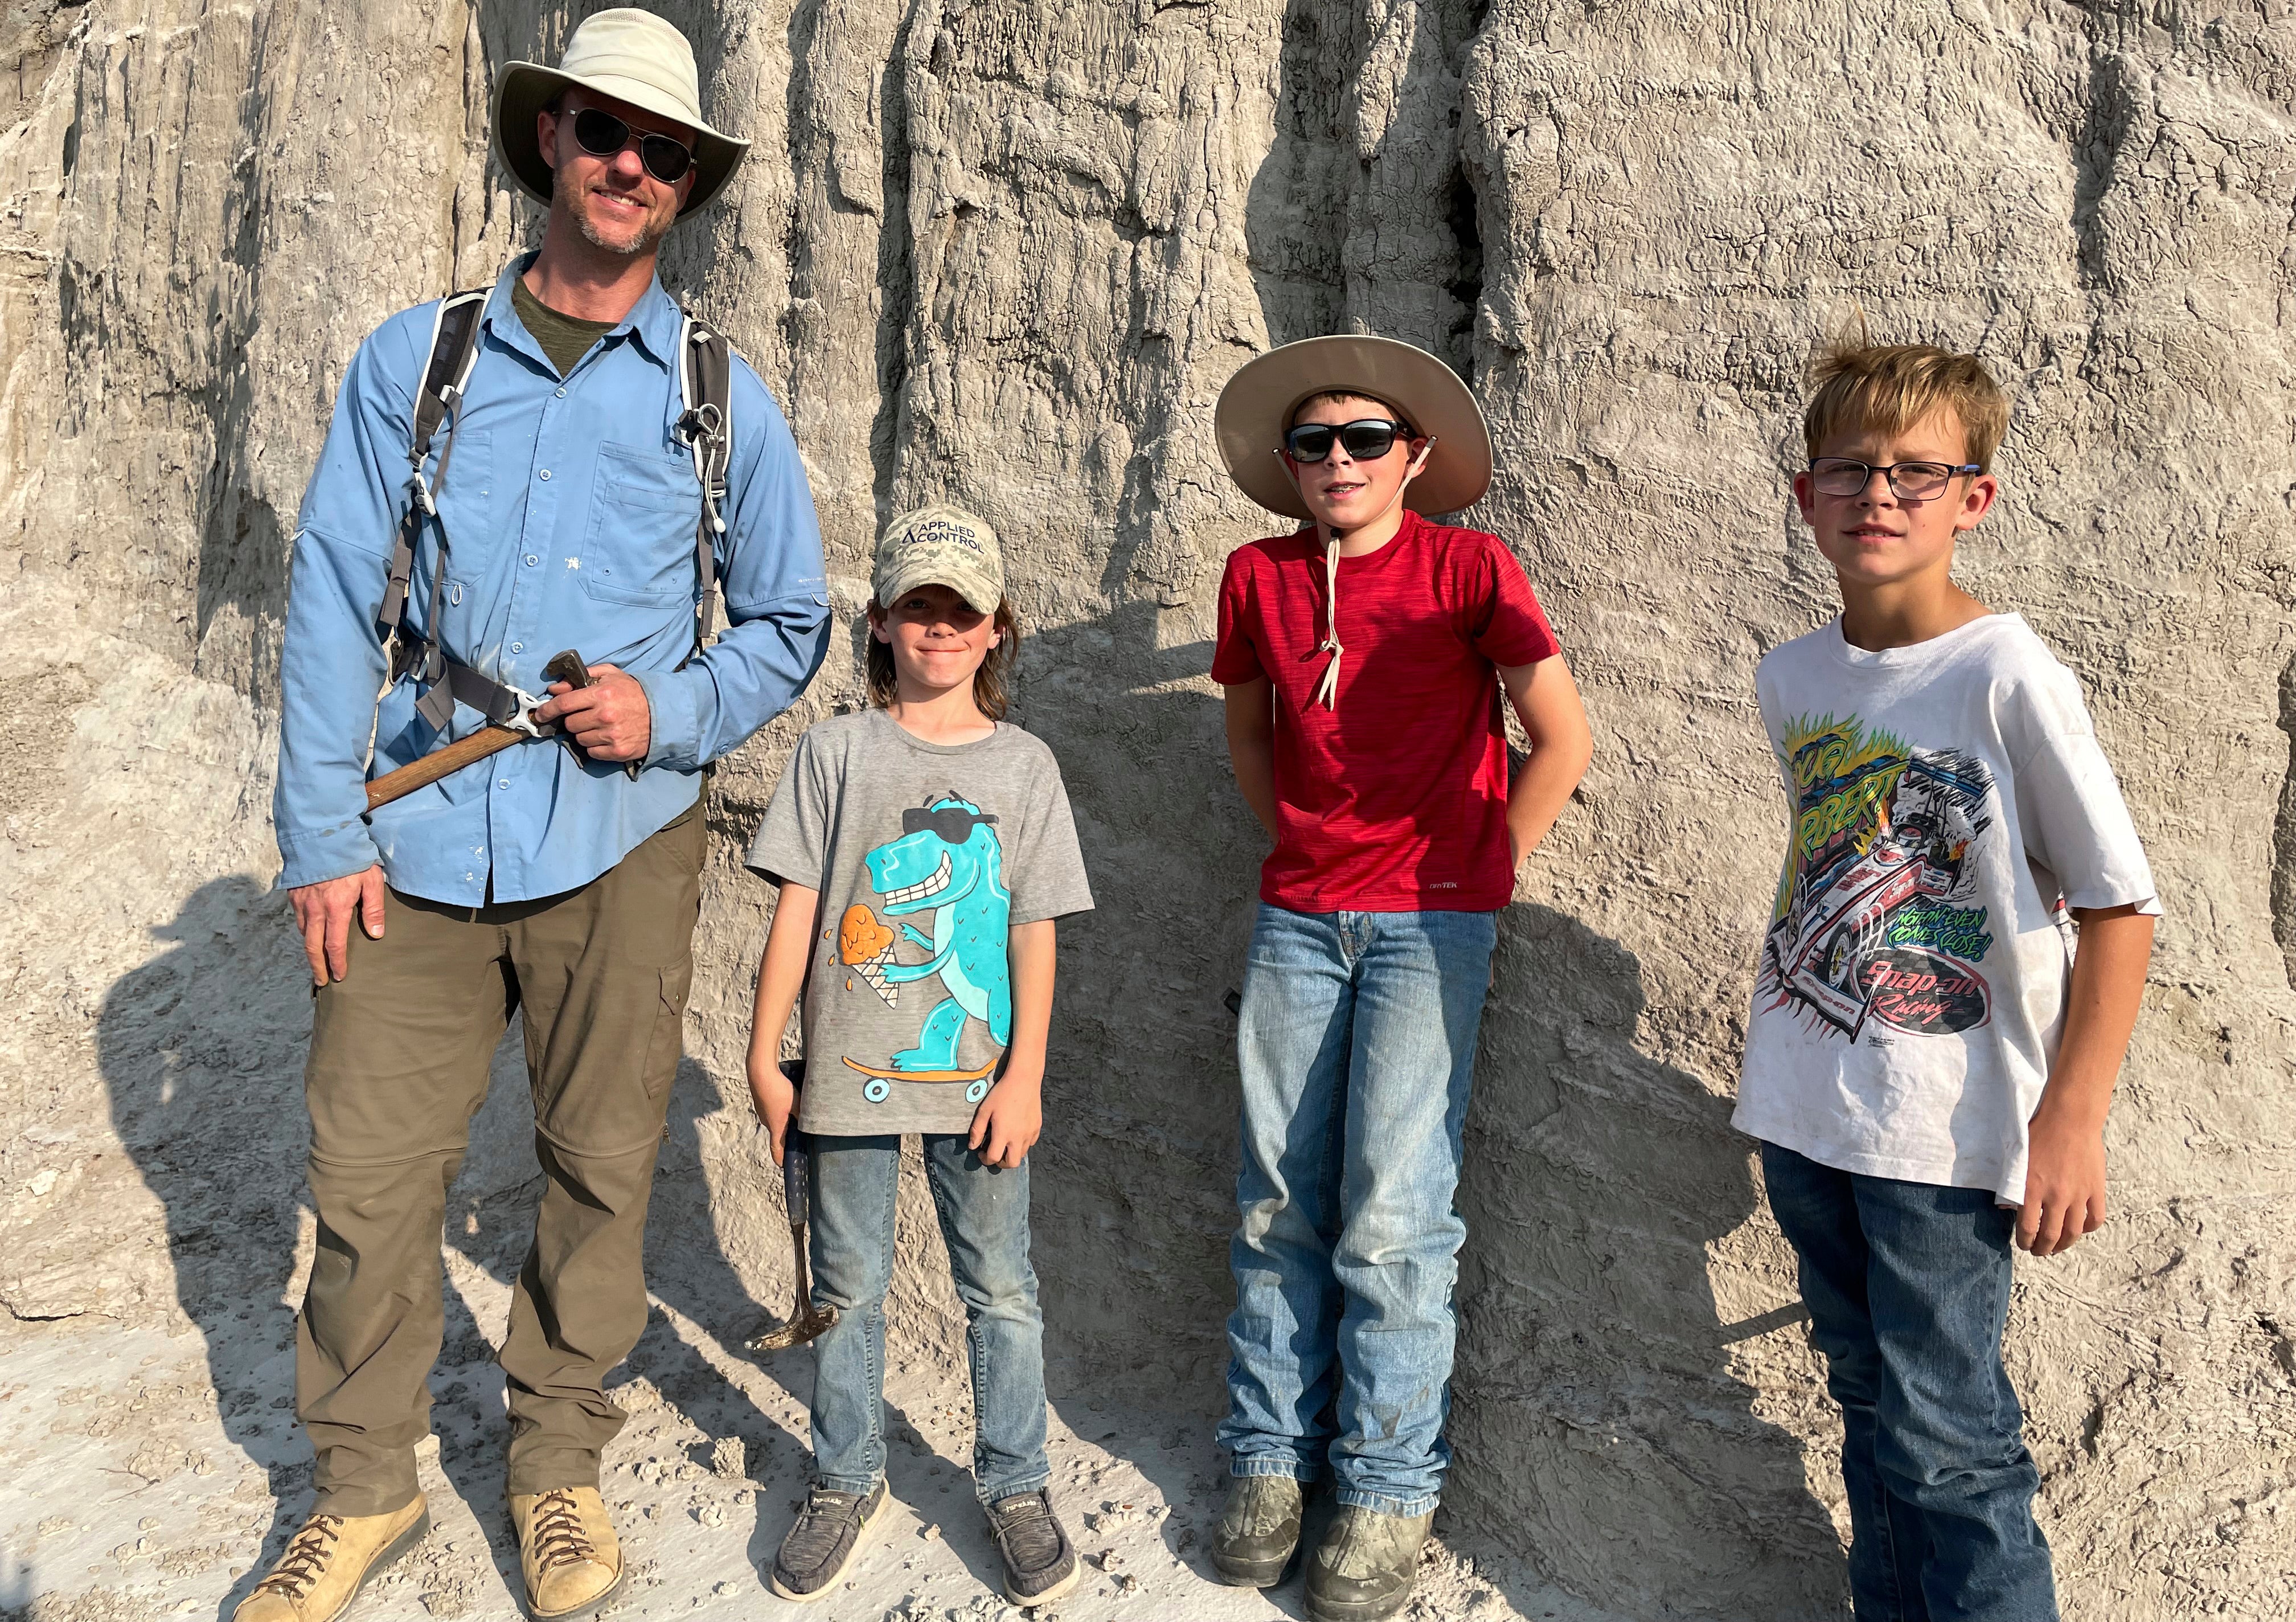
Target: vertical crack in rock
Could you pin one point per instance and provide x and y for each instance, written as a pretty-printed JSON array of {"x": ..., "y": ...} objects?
[
  {"x": 896, "y": 268},
  {"x": 242, "y": 548},
  {"x": 2107, "y": 110}
]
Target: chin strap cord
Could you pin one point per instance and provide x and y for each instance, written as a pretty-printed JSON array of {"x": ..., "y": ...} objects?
[{"x": 1327, "y": 691}]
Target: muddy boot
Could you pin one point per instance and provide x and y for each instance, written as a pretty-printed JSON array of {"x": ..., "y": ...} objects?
[
  {"x": 1040, "y": 1565},
  {"x": 567, "y": 1551},
  {"x": 1258, "y": 1530},
  {"x": 330, "y": 1561},
  {"x": 822, "y": 1542},
  {"x": 1366, "y": 1567}
]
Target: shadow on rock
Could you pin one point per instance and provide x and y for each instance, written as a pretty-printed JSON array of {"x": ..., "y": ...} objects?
[
  {"x": 201, "y": 1054},
  {"x": 1595, "y": 1406}
]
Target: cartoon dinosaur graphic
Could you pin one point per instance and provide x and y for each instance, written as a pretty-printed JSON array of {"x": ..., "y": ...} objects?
[{"x": 947, "y": 862}]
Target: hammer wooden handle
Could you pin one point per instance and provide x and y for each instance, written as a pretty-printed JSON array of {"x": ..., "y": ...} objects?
[{"x": 487, "y": 741}]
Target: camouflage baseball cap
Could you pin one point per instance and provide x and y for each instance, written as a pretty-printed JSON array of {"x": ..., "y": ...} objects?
[{"x": 940, "y": 546}]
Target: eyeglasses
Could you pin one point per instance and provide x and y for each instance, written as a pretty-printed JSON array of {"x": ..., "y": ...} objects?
[
  {"x": 1908, "y": 480},
  {"x": 953, "y": 823},
  {"x": 602, "y": 135},
  {"x": 1366, "y": 440}
]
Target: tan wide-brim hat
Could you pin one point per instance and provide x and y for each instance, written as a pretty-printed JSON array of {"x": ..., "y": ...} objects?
[
  {"x": 633, "y": 56},
  {"x": 1256, "y": 407}
]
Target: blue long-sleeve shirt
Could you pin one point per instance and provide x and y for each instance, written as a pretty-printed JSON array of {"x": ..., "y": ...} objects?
[{"x": 570, "y": 510}]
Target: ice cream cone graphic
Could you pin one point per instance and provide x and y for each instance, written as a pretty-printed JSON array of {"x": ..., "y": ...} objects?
[{"x": 865, "y": 947}]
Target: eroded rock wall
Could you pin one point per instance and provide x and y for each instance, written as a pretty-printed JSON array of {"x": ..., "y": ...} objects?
[{"x": 1007, "y": 255}]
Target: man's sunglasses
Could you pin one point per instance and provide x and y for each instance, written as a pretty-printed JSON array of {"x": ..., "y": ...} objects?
[
  {"x": 1366, "y": 440},
  {"x": 953, "y": 824},
  {"x": 1908, "y": 480},
  {"x": 602, "y": 135}
]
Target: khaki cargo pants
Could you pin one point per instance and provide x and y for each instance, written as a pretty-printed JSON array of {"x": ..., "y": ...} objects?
[{"x": 399, "y": 1053}]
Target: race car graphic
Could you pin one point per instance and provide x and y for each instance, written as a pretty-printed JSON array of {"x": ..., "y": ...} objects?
[{"x": 1867, "y": 926}]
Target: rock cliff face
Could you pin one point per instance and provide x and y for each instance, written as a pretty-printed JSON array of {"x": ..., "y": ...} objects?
[{"x": 1007, "y": 254}]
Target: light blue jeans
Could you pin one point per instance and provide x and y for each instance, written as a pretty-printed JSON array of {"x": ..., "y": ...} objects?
[
  {"x": 984, "y": 1217},
  {"x": 1908, "y": 1286},
  {"x": 1358, "y": 1048}
]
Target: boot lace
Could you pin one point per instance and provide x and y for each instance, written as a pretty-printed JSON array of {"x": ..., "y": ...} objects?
[
  {"x": 1031, "y": 1535},
  {"x": 306, "y": 1559},
  {"x": 557, "y": 1532}
]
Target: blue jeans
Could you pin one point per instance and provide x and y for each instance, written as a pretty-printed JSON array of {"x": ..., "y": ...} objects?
[
  {"x": 1358, "y": 1048},
  {"x": 1908, "y": 1286},
  {"x": 984, "y": 1217}
]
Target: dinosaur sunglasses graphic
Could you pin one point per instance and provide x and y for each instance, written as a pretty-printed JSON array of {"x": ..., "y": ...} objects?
[{"x": 947, "y": 862}]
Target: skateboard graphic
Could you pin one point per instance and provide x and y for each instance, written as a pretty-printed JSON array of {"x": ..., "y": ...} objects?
[{"x": 879, "y": 1085}]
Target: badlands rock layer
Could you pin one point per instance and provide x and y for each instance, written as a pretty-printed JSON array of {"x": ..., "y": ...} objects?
[{"x": 1007, "y": 254}]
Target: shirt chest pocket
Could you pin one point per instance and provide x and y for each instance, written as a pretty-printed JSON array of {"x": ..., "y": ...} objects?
[
  {"x": 645, "y": 507},
  {"x": 464, "y": 491}
]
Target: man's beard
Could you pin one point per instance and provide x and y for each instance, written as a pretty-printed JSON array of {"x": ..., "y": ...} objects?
[{"x": 648, "y": 234}]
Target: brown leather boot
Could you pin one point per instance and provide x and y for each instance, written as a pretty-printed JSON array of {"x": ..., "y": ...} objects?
[
  {"x": 567, "y": 1552},
  {"x": 329, "y": 1560}
]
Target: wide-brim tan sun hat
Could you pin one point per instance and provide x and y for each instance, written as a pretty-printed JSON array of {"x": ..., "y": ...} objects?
[
  {"x": 633, "y": 56},
  {"x": 1256, "y": 407}
]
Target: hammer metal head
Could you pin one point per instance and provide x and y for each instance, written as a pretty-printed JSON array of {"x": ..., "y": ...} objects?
[
  {"x": 815, "y": 1322},
  {"x": 566, "y": 665}
]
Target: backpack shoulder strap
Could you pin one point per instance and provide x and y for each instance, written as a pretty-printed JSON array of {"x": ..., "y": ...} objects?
[
  {"x": 453, "y": 352},
  {"x": 705, "y": 426}
]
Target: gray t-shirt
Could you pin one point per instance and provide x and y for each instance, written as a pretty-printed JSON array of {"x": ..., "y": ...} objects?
[{"x": 925, "y": 856}]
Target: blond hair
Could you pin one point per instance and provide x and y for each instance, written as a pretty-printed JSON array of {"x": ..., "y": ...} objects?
[{"x": 1856, "y": 386}]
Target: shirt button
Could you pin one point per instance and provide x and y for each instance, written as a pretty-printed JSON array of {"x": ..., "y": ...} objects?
[
  {"x": 517, "y": 647},
  {"x": 545, "y": 474},
  {"x": 530, "y": 560},
  {"x": 502, "y": 782},
  {"x": 562, "y": 395}
]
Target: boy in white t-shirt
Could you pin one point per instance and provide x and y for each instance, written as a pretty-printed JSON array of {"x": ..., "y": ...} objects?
[{"x": 1929, "y": 1063}]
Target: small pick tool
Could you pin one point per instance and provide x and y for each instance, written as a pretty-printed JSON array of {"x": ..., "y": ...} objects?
[{"x": 806, "y": 1321}]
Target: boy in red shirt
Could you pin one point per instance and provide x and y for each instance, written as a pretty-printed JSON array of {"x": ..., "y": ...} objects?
[{"x": 1364, "y": 659}]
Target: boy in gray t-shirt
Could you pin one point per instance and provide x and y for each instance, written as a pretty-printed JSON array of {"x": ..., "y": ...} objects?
[{"x": 924, "y": 848}]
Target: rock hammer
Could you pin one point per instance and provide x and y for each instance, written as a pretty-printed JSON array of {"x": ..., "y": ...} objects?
[
  {"x": 806, "y": 1321},
  {"x": 491, "y": 739}
]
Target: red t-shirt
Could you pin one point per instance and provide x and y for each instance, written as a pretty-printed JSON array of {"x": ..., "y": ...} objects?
[{"x": 1397, "y": 801}]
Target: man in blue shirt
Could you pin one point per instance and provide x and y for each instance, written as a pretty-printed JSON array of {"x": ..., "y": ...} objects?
[{"x": 550, "y": 878}]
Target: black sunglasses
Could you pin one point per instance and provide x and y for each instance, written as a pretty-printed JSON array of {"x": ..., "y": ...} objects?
[
  {"x": 952, "y": 823},
  {"x": 602, "y": 135},
  {"x": 1367, "y": 440}
]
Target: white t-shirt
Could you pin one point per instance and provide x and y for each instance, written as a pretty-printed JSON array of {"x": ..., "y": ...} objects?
[{"x": 1946, "y": 802}]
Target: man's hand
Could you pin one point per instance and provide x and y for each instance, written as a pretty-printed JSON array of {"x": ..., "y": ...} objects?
[
  {"x": 1005, "y": 1127},
  {"x": 2064, "y": 1184},
  {"x": 609, "y": 719},
  {"x": 771, "y": 1092},
  {"x": 323, "y": 914}
]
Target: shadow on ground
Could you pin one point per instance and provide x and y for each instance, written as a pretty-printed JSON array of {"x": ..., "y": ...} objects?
[{"x": 1594, "y": 1398}]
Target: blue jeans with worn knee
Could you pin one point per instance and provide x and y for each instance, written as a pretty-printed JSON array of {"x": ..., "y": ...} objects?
[
  {"x": 1358, "y": 1048},
  {"x": 984, "y": 1217},
  {"x": 1908, "y": 1285}
]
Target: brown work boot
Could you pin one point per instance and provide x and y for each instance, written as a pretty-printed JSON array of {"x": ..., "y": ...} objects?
[
  {"x": 329, "y": 1560},
  {"x": 567, "y": 1552}
]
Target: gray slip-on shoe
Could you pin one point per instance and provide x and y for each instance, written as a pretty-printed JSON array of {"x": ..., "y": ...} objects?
[
  {"x": 1366, "y": 1566},
  {"x": 824, "y": 1541},
  {"x": 1258, "y": 1530},
  {"x": 1040, "y": 1565}
]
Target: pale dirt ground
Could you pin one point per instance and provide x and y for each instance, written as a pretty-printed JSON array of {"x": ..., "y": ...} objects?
[
  {"x": 127, "y": 1498},
  {"x": 154, "y": 1239}
]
